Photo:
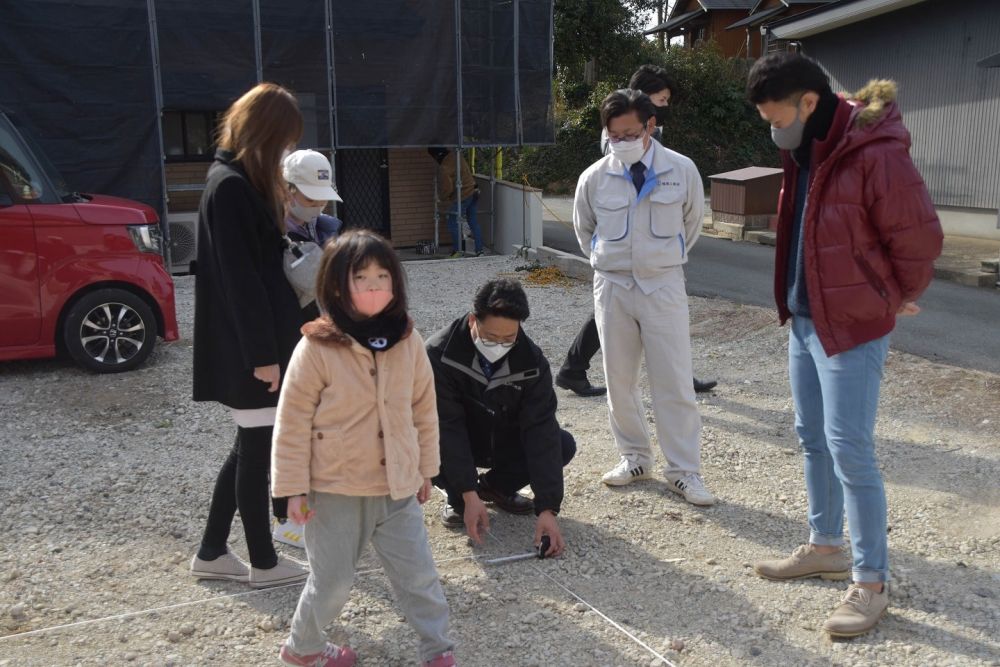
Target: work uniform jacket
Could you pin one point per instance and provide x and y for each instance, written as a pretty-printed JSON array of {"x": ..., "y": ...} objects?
[
  {"x": 635, "y": 237},
  {"x": 477, "y": 416},
  {"x": 870, "y": 231}
]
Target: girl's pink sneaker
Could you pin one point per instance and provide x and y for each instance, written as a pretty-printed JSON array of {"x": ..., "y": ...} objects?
[
  {"x": 446, "y": 659},
  {"x": 331, "y": 656}
]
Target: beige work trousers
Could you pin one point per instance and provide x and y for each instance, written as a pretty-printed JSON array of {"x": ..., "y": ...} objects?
[{"x": 630, "y": 324}]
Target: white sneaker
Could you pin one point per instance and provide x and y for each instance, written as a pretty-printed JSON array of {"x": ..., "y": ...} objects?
[
  {"x": 690, "y": 485},
  {"x": 625, "y": 473},
  {"x": 288, "y": 532}
]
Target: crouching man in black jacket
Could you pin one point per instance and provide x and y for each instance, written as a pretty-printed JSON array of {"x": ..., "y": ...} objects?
[{"x": 497, "y": 410}]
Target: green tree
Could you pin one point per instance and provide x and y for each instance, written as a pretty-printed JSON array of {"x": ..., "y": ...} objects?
[{"x": 709, "y": 120}]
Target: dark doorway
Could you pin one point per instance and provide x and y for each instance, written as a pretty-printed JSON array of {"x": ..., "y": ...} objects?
[{"x": 363, "y": 183}]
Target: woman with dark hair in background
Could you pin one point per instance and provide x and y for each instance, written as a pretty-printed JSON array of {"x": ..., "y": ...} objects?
[{"x": 246, "y": 324}]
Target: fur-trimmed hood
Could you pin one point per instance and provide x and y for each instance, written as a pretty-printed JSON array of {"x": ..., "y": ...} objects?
[
  {"x": 874, "y": 115},
  {"x": 324, "y": 330},
  {"x": 874, "y": 100}
]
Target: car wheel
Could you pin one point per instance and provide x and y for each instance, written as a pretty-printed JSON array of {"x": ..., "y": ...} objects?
[{"x": 110, "y": 331}]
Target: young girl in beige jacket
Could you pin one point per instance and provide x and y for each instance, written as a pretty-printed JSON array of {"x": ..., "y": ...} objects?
[{"x": 355, "y": 448}]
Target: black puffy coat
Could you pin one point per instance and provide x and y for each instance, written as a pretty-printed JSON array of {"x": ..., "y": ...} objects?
[{"x": 516, "y": 407}]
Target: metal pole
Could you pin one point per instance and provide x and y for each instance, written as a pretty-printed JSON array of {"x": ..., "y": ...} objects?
[
  {"x": 493, "y": 198},
  {"x": 492, "y": 70},
  {"x": 335, "y": 138},
  {"x": 154, "y": 48},
  {"x": 328, "y": 38},
  {"x": 517, "y": 72},
  {"x": 552, "y": 60},
  {"x": 437, "y": 215},
  {"x": 257, "y": 40},
  {"x": 458, "y": 104}
]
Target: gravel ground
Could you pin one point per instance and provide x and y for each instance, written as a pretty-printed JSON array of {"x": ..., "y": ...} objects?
[{"x": 106, "y": 479}]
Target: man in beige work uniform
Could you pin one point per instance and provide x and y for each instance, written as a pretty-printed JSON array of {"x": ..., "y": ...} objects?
[{"x": 636, "y": 214}]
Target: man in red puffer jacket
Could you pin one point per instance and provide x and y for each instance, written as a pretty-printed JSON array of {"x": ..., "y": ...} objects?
[{"x": 857, "y": 239}]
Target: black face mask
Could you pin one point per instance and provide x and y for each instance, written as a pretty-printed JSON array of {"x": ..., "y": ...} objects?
[{"x": 662, "y": 114}]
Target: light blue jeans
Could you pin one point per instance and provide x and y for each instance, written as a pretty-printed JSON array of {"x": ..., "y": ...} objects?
[
  {"x": 836, "y": 400},
  {"x": 469, "y": 207}
]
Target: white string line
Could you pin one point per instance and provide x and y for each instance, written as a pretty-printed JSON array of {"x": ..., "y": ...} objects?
[
  {"x": 192, "y": 603},
  {"x": 594, "y": 609}
]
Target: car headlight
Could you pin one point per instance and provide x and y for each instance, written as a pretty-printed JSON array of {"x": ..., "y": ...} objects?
[{"x": 147, "y": 238}]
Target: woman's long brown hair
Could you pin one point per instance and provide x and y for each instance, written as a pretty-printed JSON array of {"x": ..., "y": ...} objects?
[{"x": 257, "y": 128}]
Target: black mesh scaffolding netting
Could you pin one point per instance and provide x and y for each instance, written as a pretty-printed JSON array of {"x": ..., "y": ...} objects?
[
  {"x": 89, "y": 77},
  {"x": 79, "y": 77}
]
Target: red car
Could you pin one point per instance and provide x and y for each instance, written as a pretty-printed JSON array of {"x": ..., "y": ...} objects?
[{"x": 81, "y": 274}]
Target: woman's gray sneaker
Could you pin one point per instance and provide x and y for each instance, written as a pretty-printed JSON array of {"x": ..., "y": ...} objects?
[
  {"x": 227, "y": 566},
  {"x": 287, "y": 571}
]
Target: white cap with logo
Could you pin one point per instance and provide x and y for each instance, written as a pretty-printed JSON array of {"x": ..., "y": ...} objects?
[{"x": 310, "y": 173}]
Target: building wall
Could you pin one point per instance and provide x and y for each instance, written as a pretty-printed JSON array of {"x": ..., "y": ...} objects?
[
  {"x": 411, "y": 197},
  {"x": 757, "y": 39},
  {"x": 185, "y": 175},
  {"x": 951, "y": 107},
  {"x": 732, "y": 42}
]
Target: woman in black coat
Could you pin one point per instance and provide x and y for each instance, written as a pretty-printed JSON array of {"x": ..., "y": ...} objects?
[{"x": 246, "y": 324}]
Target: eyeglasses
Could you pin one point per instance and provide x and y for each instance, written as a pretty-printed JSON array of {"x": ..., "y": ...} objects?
[
  {"x": 494, "y": 343},
  {"x": 627, "y": 137}
]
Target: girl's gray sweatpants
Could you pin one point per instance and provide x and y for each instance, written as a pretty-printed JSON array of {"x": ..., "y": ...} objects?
[{"x": 335, "y": 539}]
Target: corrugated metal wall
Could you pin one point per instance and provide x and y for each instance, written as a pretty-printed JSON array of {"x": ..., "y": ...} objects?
[{"x": 951, "y": 107}]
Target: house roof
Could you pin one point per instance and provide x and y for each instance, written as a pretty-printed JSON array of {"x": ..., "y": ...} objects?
[
  {"x": 790, "y": 3},
  {"x": 727, "y": 4},
  {"x": 707, "y": 5},
  {"x": 757, "y": 17},
  {"x": 834, "y": 15},
  {"x": 675, "y": 22}
]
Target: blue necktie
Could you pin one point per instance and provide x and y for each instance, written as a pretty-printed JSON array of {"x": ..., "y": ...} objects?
[{"x": 638, "y": 175}]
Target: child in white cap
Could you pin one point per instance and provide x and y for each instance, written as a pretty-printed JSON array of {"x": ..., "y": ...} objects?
[
  {"x": 310, "y": 185},
  {"x": 310, "y": 189}
]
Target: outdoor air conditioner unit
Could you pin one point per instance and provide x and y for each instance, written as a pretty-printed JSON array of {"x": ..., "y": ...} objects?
[{"x": 183, "y": 241}]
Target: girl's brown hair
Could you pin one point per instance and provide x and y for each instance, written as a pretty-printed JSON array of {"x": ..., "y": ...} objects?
[
  {"x": 350, "y": 252},
  {"x": 257, "y": 128}
]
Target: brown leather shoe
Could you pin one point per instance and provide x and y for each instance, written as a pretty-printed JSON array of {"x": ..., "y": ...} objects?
[{"x": 513, "y": 503}]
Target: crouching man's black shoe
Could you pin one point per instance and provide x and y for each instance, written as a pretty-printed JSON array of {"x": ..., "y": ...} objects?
[
  {"x": 579, "y": 386},
  {"x": 513, "y": 503},
  {"x": 452, "y": 518}
]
